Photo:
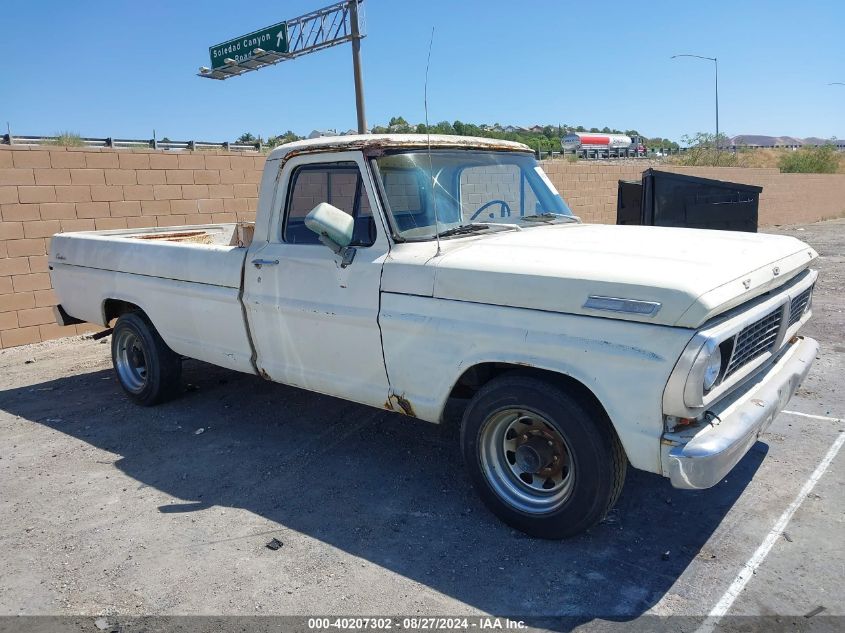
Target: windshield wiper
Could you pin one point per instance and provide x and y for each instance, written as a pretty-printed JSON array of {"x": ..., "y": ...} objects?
[
  {"x": 548, "y": 216},
  {"x": 473, "y": 227},
  {"x": 464, "y": 229}
]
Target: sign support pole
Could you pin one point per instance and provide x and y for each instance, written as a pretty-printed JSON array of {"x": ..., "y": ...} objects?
[{"x": 356, "y": 66}]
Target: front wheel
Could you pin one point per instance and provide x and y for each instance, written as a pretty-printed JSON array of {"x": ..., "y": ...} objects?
[
  {"x": 147, "y": 369},
  {"x": 542, "y": 460}
]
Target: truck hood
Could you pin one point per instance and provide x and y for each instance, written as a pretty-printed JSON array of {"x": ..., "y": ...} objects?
[{"x": 693, "y": 274}]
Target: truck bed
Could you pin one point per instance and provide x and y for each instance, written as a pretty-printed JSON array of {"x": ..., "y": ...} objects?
[
  {"x": 186, "y": 278},
  {"x": 208, "y": 253}
]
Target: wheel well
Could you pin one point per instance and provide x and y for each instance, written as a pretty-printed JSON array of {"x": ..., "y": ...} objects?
[
  {"x": 479, "y": 375},
  {"x": 113, "y": 308}
]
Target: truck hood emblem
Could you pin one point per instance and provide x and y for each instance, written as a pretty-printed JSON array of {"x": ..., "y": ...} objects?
[
  {"x": 746, "y": 283},
  {"x": 615, "y": 304},
  {"x": 776, "y": 271}
]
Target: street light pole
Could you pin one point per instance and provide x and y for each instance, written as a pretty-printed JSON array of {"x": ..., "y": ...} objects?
[
  {"x": 718, "y": 140},
  {"x": 716, "y": 65}
]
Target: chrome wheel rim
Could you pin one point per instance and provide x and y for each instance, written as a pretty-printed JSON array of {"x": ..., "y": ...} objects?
[
  {"x": 526, "y": 460},
  {"x": 130, "y": 361}
]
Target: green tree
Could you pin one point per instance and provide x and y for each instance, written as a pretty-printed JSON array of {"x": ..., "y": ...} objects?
[
  {"x": 660, "y": 143},
  {"x": 246, "y": 138},
  {"x": 281, "y": 139},
  {"x": 398, "y": 124}
]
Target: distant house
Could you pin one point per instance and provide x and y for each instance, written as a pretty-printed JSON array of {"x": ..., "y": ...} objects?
[
  {"x": 514, "y": 128},
  {"x": 321, "y": 133},
  {"x": 536, "y": 129}
]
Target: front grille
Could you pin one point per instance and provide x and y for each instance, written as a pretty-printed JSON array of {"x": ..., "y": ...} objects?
[
  {"x": 798, "y": 305},
  {"x": 755, "y": 340}
]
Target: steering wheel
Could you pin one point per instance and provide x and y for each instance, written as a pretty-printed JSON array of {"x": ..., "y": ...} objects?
[{"x": 506, "y": 210}]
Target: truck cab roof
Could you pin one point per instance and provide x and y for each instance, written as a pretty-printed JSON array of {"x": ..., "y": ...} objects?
[{"x": 394, "y": 141}]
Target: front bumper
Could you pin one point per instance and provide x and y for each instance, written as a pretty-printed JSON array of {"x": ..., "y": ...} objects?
[{"x": 700, "y": 458}]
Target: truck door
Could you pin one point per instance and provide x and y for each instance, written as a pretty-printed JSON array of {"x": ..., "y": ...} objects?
[{"x": 314, "y": 322}]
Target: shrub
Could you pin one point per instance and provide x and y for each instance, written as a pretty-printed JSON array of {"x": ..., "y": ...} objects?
[
  {"x": 704, "y": 151},
  {"x": 67, "y": 139},
  {"x": 810, "y": 160}
]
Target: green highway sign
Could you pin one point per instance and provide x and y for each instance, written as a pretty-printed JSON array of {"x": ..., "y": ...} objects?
[{"x": 273, "y": 39}]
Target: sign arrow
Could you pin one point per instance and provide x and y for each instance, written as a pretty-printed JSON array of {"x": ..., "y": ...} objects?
[{"x": 280, "y": 37}]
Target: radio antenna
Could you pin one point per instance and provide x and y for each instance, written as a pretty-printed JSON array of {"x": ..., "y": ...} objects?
[{"x": 428, "y": 138}]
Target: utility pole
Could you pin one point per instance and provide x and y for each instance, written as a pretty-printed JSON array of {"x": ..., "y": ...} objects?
[{"x": 356, "y": 66}]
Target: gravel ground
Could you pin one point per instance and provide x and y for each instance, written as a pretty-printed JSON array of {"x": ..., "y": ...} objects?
[{"x": 108, "y": 508}]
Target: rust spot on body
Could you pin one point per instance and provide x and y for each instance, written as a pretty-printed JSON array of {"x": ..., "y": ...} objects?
[
  {"x": 197, "y": 237},
  {"x": 402, "y": 405}
]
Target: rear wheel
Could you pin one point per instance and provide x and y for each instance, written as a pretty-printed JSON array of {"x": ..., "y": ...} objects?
[
  {"x": 147, "y": 369},
  {"x": 542, "y": 460}
]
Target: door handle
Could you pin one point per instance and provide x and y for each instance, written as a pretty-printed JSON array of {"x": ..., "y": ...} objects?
[{"x": 258, "y": 263}]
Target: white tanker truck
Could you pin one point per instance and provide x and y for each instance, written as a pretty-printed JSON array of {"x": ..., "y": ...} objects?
[{"x": 602, "y": 145}]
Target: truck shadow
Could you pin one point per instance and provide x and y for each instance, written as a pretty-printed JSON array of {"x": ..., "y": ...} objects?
[{"x": 388, "y": 489}]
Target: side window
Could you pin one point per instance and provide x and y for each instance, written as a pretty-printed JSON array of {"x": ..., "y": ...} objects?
[{"x": 339, "y": 184}]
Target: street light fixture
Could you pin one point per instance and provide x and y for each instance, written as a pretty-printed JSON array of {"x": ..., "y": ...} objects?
[
  {"x": 836, "y": 83},
  {"x": 716, "y": 63}
]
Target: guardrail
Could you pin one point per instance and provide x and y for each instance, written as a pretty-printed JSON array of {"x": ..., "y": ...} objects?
[
  {"x": 153, "y": 143},
  {"x": 166, "y": 144}
]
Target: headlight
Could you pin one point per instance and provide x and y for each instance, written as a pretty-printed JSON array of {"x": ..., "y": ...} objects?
[{"x": 712, "y": 369}]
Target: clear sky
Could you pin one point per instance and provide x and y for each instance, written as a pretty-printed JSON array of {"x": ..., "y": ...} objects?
[{"x": 122, "y": 68}]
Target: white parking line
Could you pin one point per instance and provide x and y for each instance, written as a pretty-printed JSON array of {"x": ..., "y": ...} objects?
[
  {"x": 774, "y": 534},
  {"x": 811, "y": 416}
]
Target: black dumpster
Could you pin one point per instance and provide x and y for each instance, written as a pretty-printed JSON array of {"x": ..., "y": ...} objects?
[{"x": 669, "y": 199}]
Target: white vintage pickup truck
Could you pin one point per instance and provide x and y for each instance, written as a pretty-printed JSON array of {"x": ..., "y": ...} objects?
[{"x": 403, "y": 271}]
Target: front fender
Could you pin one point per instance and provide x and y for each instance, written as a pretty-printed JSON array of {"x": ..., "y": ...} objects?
[{"x": 429, "y": 343}]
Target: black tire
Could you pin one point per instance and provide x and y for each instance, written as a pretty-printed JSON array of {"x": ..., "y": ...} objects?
[
  {"x": 592, "y": 449},
  {"x": 155, "y": 370}
]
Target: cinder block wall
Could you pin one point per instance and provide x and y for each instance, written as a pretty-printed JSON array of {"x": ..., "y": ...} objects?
[
  {"x": 47, "y": 190},
  {"x": 590, "y": 190}
]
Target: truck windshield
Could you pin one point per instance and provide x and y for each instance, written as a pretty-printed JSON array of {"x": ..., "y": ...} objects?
[{"x": 469, "y": 192}]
